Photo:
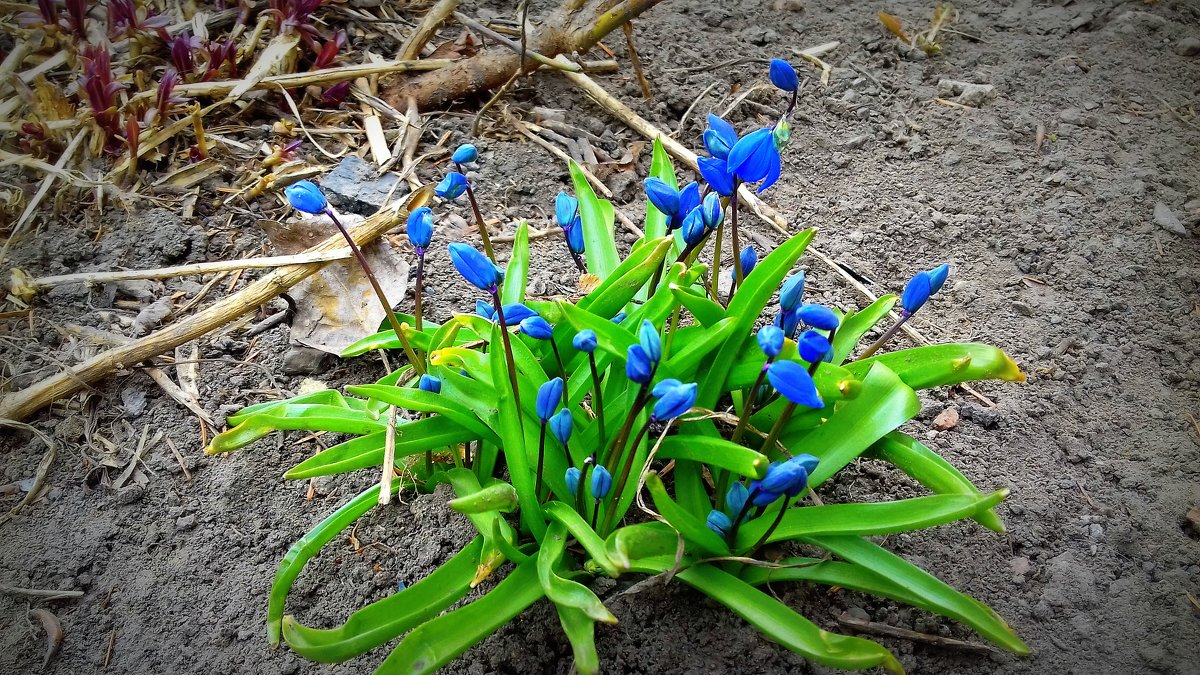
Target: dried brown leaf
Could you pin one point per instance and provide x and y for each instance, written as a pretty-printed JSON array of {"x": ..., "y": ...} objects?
[{"x": 895, "y": 26}]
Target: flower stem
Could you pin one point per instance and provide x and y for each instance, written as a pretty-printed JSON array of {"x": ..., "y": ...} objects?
[
  {"x": 737, "y": 522},
  {"x": 716, "y": 264},
  {"x": 418, "y": 365},
  {"x": 508, "y": 355},
  {"x": 483, "y": 233},
  {"x": 722, "y": 481},
  {"x": 778, "y": 519},
  {"x": 772, "y": 437},
  {"x": 626, "y": 469},
  {"x": 537, "y": 488},
  {"x": 887, "y": 335},
  {"x": 583, "y": 481},
  {"x": 597, "y": 396},
  {"x": 738, "y": 276},
  {"x": 563, "y": 371},
  {"x": 619, "y": 441},
  {"x": 420, "y": 288}
]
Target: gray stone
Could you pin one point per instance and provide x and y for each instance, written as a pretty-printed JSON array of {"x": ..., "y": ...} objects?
[
  {"x": 185, "y": 523},
  {"x": 353, "y": 186},
  {"x": 856, "y": 142},
  {"x": 305, "y": 361},
  {"x": 1165, "y": 218},
  {"x": 966, "y": 93},
  {"x": 1079, "y": 118},
  {"x": 1188, "y": 46}
]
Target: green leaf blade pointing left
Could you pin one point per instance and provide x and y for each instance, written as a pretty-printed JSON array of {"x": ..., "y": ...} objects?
[{"x": 597, "y": 216}]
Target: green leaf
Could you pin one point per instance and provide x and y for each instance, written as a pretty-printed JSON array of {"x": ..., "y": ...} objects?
[
  {"x": 383, "y": 620},
  {"x": 716, "y": 452},
  {"x": 487, "y": 523},
  {"x": 690, "y": 526},
  {"x": 564, "y": 592},
  {"x": 427, "y": 402},
  {"x": 597, "y": 216},
  {"x": 942, "y": 365},
  {"x": 706, "y": 311},
  {"x": 781, "y": 624},
  {"x": 435, "y": 643},
  {"x": 584, "y": 534},
  {"x": 690, "y": 355},
  {"x": 935, "y": 595},
  {"x": 903, "y": 515},
  {"x": 660, "y": 167},
  {"x": 496, "y": 497},
  {"x": 513, "y": 440},
  {"x": 829, "y": 573},
  {"x": 581, "y": 632},
  {"x": 328, "y": 397},
  {"x": 611, "y": 338},
  {"x": 412, "y": 438},
  {"x": 631, "y": 543},
  {"x": 929, "y": 469},
  {"x": 387, "y": 339},
  {"x": 856, "y": 324},
  {"x": 293, "y": 417},
  {"x": 622, "y": 285},
  {"x": 517, "y": 274}
]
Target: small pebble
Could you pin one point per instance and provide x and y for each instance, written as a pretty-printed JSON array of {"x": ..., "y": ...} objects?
[
  {"x": 1188, "y": 46},
  {"x": 947, "y": 419}
]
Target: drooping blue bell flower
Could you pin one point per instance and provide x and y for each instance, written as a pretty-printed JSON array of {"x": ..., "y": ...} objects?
[
  {"x": 464, "y": 154},
  {"x": 791, "y": 292},
  {"x": 572, "y": 477},
  {"x": 430, "y": 384},
  {"x": 516, "y": 313},
  {"x": 485, "y": 310},
  {"x": 735, "y": 499},
  {"x": 794, "y": 383},
  {"x": 783, "y": 75},
  {"x": 718, "y": 522},
  {"x": 748, "y": 258},
  {"x": 306, "y": 196},
  {"x": 585, "y": 341},
  {"x": 664, "y": 386},
  {"x": 536, "y": 327},
  {"x": 788, "y": 322},
  {"x": 694, "y": 229},
  {"x": 756, "y": 158},
  {"x": 809, "y": 462},
  {"x": 664, "y": 197},
  {"x": 649, "y": 340},
  {"x": 561, "y": 425},
  {"x": 689, "y": 199},
  {"x": 638, "y": 367},
  {"x": 813, "y": 346},
  {"x": 575, "y": 237},
  {"x": 720, "y": 137},
  {"x": 619, "y": 317},
  {"x": 475, "y": 267},
  {"x": 452, "y": 186},
  {"x": 770, "y": 340},
  {"x": 548, "y": 397},
  {"x": 916, "y": 292},
  {"x": 420, "y": 228},
  {"x": 601, "y": 482},
  {"x": 712, "y": 211},
  {"x": 675, "y": 402},
  {"x": 937, "y": 277},
  {"x": 715, "y": 171},
  {"x": 782, "y": 477},
  {"x": 819, "y": 316},
  {"x": 565, "y": 208}
]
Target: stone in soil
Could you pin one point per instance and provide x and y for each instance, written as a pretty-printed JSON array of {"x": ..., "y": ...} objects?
[{"x": 353, "y": 186}]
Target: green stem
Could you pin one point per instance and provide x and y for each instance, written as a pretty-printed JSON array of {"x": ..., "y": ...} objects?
[
  {"x": 722, "y": 481},
  {"x": 508, "y": 355},
  {"x": 737, "y": 522},
  {"x": 583, "y": 477},
  {"x": 738, "y": 277},
  {"x": 777, "y": 429},
  {"x": 483, "y": 233},
  {"x": 716, "y": 264},
  {"x": 597, "y": 397},
  {"x": 562, "y": 371},
  {"x": 626, "y": 470},
  {"x": 420, "y": 288},
  {"x": 618, "y": 443},
  {"x": 667, "y": 350},
  {"x": 778, "y": 519},
  {"x": 883, "y": 339}
]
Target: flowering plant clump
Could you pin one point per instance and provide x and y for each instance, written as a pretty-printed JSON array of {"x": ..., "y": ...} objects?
[{"x": 549, "y": 418}]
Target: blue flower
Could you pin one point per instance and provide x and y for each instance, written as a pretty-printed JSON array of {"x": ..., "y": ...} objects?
[
  {"x": 664, "y": 197},
  {"x": 791, "y": 292},
  {"x": 720, "y": 137},
  {"x": 788, "y": 322},
  {"x": 937, "y": 277},
  {"x": 787, "y": 478},
  {"x": 475, "y": 267},
  {"x": 916, "y": 292},
  {"x": 306, "y": 196},
  {"x": 795, "y": 384},
  {"x": 717, "y": 174},
  {"x": 664, "y": 386},
  {"x": 689, "y": 199},
  {"x": 749, "y": 258},
  {"x": 712, "y": 211},
  {"x": 430, "y": 384},
  {"x": 718, "y": 522},
  {"x": 756, "y": 158},
  {"x": 601, "y": 482},
  {"x": 649, "y": 340},
  {"x": 675, "y": 402},
  {"x": 694, "y": 229},
  {"x": 760, "y": 497},
  {"x": 572, "y": 479},
  {"x": 735, "y": 499},
  {"x": 536, "y": 327},
  {"x": 420, "y": 228},
  {"x": 485, "y": 310},
  {"x": 585, "y": 341},
  {"x": 620, "y": 316},
  {"x": 813, "y": 346},
  {"x": 819, "y": 316},
  {"x": 548, "y": 397},
  {"x": 638, "y": 366},
  {"x": 452, "y": 186},
  {"x": 783, "y": 75},
  {"x": 575, "y": 237},
  {"x": 515, "y": 313},
  {"x": 770, "y": 340},
  {"x": 809, "y": 462},
  {"x": 561, "y": 425},
  {"x": 464, "y": 154},
  {"x": 565, "y": 208}
]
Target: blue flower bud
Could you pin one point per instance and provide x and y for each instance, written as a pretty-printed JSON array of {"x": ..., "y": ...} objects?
[
  {"x": 791, "y": 292},
  {"x": 788, "y": 322},
  {"x": 937, "y": 277},
  {"x": 784, "y": 477},
  {"x": 694, "y": 229},
  {"x": 620, "y": 316},
  {"x": 601, "y": 482},
  {"x": 664, "y": 386},
  {"x": 749, "y": 258},
  {"x": 718, "y": 522},
  {"x": 585, "y": 341},
  {"x": 809, "y": 462},
  {"x": 770, "y": 340},
  {"x": 760, "y": 497},
  {"x": 689, "y": 199},
  {"x": 561, "y": 425},
  {"x": 638, "y": 367},
  {"x": 572, "y": 479},
  {"x": 565, "y": 208},
  {"x": 515, "y": 313},
  {"x": 575, "y": 237},
  {"x": 664, "y": 197},
  {"x": 420, "y": 227},
  {"x": 548, "y": 397},
  {"x": 712, "y": 211},
  {"x": 675, "y": 402},
  {"x": 735, "y": 499},
  {"x": 813, "y": 346},
  {"x": 720, "y": 137},
  {"x": 464, "y": 154},
  {"x": 648, "y": 338},
  {"x": 783, "y": 75},
  {"x": 756, "y": 158},
  {"x": 537, "y": 328},
  {"x": 716, "y": 173},
  {"x": 794, "y": 383},
  {"x": 430, "y": 384},
  {"x": 916, "y": 292},
  {"x": 475, "y": 266},
  {"x": 452, "y": 186},
  {"x": 485, "y": 310},
  {"x": 306, "y": 196},
  {"x": 819, "y": 316}
]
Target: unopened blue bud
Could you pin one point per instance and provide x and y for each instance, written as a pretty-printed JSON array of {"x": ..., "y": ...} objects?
[
  {"x": 575, "y": 237},
  {"x": 664, "y": 197},
  {"x": 916, "y": 292},
  {"x": 464, "y": 154},
  {"x": 937, "y": 277},
  {"x": 813, "y": 346},
  {"x": 794, "y": 383},
  {"x": 720, "y": 137},
  {"x": 712, "y": 211},
  {"x": 664, "y": 386},
  {"x": 749, "y": 259},
  {"x": 561, "y": 425},
  {"x": 548, "y": 397},
  {"x": 537, "y": 328},
  {"x": 452, "y": 186},
  {"x": 694, "y": 229},
  {"x": 585, "y": 341},
  {"x": 791, "y": 292},
  {"x": 718, "y": 522},
  {"x": 420, "y": 227},
  {"x": 572, "y": 479},
  {"x": 770, "y": 340},
  {"x": 651, "y": 343},
  {"x": 601, "y": 482},
  {"x": 565, "y": 208},
  {"x": 475, "y": 266},
  {"x": 675, "y": 402},
  {"x": 306, "y": 196},
  {"x": 819, "y": 316},
  {"x": 430, "y": 384},
  {"x": 638, "y": 367},
  {"x": 735, "y": 499},
  {"x": 783, "y": 75},
  {"x": 620, "y": 316}
]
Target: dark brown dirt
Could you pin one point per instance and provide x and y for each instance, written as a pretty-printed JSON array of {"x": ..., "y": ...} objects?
[{"x": 1057, "y": 256}]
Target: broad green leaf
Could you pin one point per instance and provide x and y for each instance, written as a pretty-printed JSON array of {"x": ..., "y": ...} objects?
[
  {"x": 856, "y": 324},
  {"x": 706, "y": 311},
  {"x": 496, "y": 497},
  {"x": 383, "y": 620},
  {"x": 584, "y": 534},
  {"x": 781, "y": 624},
  {"x": 691, "y": 354},
  {"x": 426, "y": 402},
  {"x": 517, "y": 274},
  {"x": 634, "y": 542},
  {"x": 412, "y": 438},
  {"x": 929, "y": 469},
  {"x": 690, "y": 526},
  {"x": 435, "y": 643},
  {"x": 615, "y": 292},
  {"x": 942, "y": 365},
  {"x": 564, "y": 592},
  {"x": 293, "y": 417},
  {"x": 611, "y": 338},
  {"x": 513, "y": 440},
  {"x": 829, "y": 573},
  {"x": 660, "y": 167},
  {"x": 716, "y": 452},
  {"x": 581, "y": 632},
  {"x": 328, "y": 397},
  {"x": 487, "y": 523},
  {"x": 935, "y": 595},
  {"x": 386, "y": 339},
  {"x": 597, "y": 216}
]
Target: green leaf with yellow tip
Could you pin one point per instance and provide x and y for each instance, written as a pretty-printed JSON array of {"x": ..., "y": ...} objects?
[{"x": 944, "y": 365}]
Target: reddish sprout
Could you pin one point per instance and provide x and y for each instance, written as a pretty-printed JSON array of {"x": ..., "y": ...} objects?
[
  {"x": 219, "y": 53},
  {"x": 99, "y": 86},
  {"x": 295, "y": 16},
  {"x": 336, "y": 94},
  {"x": 182, "y": 53},
  {"x": 45, "y": 17},
  {"x": 329, "y": 51},
  {"x": 77, "y": 18},
  {"x": 127, "y": 18}
]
